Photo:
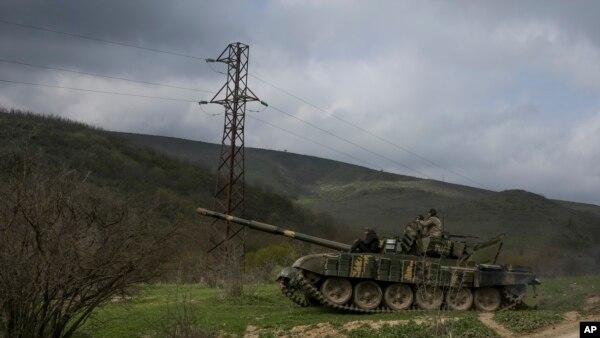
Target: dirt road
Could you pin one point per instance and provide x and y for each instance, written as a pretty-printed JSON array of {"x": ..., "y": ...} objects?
[{"x": 569, "y": 328}]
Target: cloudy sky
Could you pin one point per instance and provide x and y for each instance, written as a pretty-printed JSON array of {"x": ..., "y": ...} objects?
[{"x": 497, "y": 94}]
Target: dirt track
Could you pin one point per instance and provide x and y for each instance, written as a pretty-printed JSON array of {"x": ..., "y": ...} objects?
[{"x": 569, "y": 328}]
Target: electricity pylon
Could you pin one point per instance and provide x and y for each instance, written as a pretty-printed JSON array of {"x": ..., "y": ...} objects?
[{"x": 227, "y": 240}]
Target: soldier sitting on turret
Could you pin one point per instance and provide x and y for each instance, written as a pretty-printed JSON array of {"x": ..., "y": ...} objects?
[
  {"x": 432, "y": 226},
  {"x": 369, "y": 244}
]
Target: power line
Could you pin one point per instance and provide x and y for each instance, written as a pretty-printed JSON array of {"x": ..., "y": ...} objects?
[
  {"x": 350, "y": 142},
  {"x": 369, "y": 164},
  {"x": 368, "y": 131},
  {"x": 99, "y": 91},
  {"x": 263, "y": 81},
  {"x": 104, "y": 76},
  {"x": 99, "y": 40},
  {"x": 217, "y": 71},
  {"x": 188, "y": 101}
]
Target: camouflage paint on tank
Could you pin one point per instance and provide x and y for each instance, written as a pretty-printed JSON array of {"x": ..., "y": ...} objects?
[
  {"x": 361, "y": 266},
  {"x": 414, "y": 270}
]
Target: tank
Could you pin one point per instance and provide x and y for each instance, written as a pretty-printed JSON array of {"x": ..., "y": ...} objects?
[{"x": 407, "y": 273}]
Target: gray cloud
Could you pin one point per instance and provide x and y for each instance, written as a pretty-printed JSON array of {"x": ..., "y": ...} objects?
[{"x": 505, "y": 93}]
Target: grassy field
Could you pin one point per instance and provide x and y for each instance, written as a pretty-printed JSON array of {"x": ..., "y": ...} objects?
[
  {"x": 566, "y": 294},
  {"x": 158, "y": 306},
  {"x": 159, "y": 309},
  {"x": 555, "y": 297}
]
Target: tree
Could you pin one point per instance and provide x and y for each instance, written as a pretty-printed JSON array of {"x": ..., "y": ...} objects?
[
  {"x": 266, "y": 262},
  {"x": 66, "y": 247}
]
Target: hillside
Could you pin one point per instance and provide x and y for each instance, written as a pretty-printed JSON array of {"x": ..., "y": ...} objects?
[
  {"x": 285, "y": 173},
  {"x": 557, "y": 237},
  {"x": 128, "y": 170}
]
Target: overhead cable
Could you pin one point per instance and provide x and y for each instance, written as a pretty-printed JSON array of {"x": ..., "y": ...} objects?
[
  {"x": 104, "y": 76},
  {"x": 189, "y": 101},
  {"x": 257, "y": 78},
  {"x": 351, "y": 142},
  {"x": 86, "y": 37},
  {"x": 364, "y": 130},
  {"x": 371, "y": 165},
  {"x": 99, "y": 91}
]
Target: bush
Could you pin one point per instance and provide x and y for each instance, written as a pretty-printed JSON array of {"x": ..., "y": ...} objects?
[
  {"x": 65, "y": 248},
  {"x": 266, "y": 262}
]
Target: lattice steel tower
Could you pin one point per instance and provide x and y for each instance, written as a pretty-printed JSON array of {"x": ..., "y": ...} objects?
[{"x": 227, "y": 239}]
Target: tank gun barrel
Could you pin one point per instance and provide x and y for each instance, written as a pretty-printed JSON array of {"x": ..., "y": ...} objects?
[{"x": 275, "y": 230}]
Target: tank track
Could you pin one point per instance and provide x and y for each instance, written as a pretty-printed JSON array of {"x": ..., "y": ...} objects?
[
  {"x": 293, "y": 294},
  {"x": 510, "y": 301}
]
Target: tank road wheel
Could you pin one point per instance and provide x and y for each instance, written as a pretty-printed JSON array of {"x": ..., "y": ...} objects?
[
  {"x": 367, "y": 295},
  {"x": 487, "y": 299},
  {"x": 337, "y": 290},
  {"x": 459, "y": 299},
  {"x": 398, "y": 296},
  {"x": 429, "y": 297}
]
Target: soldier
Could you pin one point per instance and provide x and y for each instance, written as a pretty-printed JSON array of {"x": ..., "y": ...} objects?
[
  {"x": 369, "y": 244},
  {"x": 412, "y": 231},
  {"x": 432, "y": 226}
]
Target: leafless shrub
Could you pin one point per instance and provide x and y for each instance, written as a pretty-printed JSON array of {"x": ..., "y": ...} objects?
[{"x": 66, "y": 248}]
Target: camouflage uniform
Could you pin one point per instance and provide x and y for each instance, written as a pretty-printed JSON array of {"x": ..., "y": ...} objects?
[{"x": 432, "y": 227}]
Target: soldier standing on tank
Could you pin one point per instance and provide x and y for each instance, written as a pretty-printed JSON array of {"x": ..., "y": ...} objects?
[
  {"x": 369, "y": 244},
  {"x": 432, "y": 226}
]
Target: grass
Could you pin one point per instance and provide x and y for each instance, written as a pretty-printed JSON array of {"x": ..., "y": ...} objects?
[
  {"x": 565, "y": 293},
  {"x": 264, "y": 307},
  {"x": 466, "y": 327},
  {"x": 527, "y": 321},
  {"x": 555, "y": 296},
  {"x": 147, "y": 314}
]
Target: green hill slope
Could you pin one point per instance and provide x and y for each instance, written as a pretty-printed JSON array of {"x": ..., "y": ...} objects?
[
  {"x": 127, "y": 169},
  {"x": 556, "y": 236}
]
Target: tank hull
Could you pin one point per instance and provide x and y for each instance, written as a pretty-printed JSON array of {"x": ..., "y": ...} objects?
[
  {"x": 414, "y": 269},
  {"x": 505, "y": 285}
]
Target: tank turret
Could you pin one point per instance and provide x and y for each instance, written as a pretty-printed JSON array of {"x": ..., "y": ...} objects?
[{"x": 435, "y": 273}]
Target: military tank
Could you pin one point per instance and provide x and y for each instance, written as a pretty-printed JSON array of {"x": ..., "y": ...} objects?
[{"x": 428, "y": 274}]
